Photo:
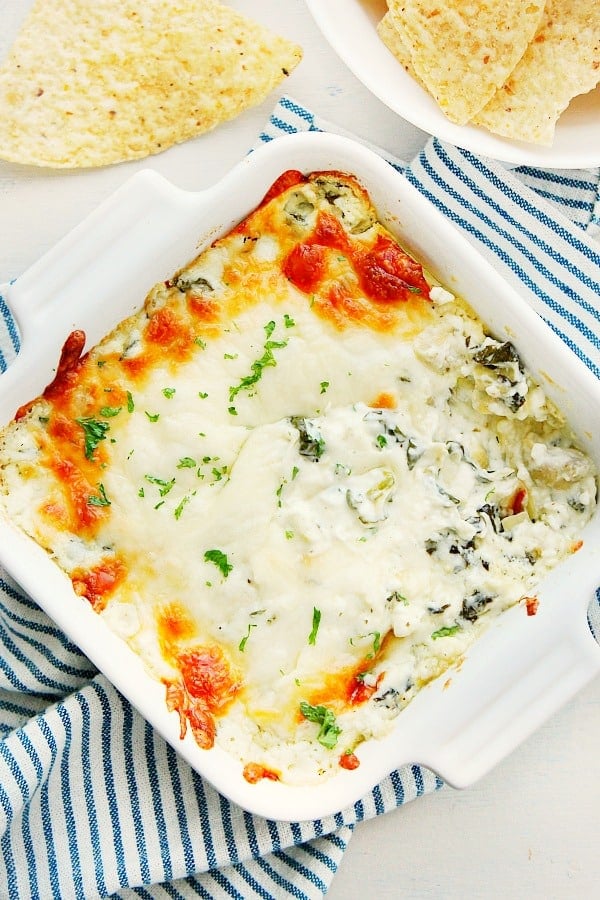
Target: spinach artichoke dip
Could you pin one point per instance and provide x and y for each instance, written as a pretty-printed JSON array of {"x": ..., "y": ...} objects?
[{"x": 298, "y": 482}]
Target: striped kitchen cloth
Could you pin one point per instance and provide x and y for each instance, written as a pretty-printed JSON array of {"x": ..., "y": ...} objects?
[{"x": 92, "y": 802}]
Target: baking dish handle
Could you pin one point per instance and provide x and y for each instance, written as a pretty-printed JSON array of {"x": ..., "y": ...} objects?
[
  {"x": 512, "y": 686},
  {"x": 62, "y": 278}
]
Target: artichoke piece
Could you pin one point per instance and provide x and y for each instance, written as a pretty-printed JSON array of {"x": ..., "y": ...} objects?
[
  {"x": 559, "y": 466},
  {"x": 299, "y": 208},
  {"x": 370, "y": 494},
  {"x": 356, "y": 215},
  {"x": 189, "y": 283}
]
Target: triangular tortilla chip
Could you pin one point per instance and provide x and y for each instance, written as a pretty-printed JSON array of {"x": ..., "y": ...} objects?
[
  {"x": 464, "y": 51},
  {"x": 94, "y": 82},
  {"x": 396, "y": 45},
  {"x": 562, "y": 61}
]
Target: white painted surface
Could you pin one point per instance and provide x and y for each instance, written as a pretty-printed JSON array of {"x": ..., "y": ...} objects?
[{"x": 530, "y": 829}]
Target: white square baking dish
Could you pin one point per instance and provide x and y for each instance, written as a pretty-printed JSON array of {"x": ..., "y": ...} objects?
[{"x": 518, "y": 673}]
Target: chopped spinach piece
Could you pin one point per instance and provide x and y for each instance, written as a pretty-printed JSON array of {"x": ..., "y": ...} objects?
[
  {"x": 390, "y": 699},
  {"x": 503, "y": 359},
  {"x": 474, "y": 606},
  {"x": 492, "y": 513},
  {"x": 311, "y": 444},
  {"x": 498, "y": 355}
]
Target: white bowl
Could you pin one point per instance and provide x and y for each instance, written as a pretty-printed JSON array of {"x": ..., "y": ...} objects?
[
  {"x": 518, "y": 673},
  {"x": 350, "y": 28}
]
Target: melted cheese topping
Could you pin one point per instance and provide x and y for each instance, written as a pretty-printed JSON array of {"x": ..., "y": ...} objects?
[{"x": 298, "y": 482}]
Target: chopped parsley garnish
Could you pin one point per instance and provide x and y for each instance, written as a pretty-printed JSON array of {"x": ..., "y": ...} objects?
[
  {"x": 94, "y": 432},
  {"x": 153, "y": 417},
  {"x": 141, "y": 492},
  {"x": 230, "y": 356},
  {"x": 329, "y": 731},
  {"x": 289, "y": 535},
  {"x": 445, "y": 632},
  {"x": 179, "y": 509},
  {"x": 163, "y": 486},
  {"x": 316, "y": 621},
  {"x": 258, "y": 366},
  {"x": 295, "y": 471},
  {"x": 288, "y": 321},
  {"x": 203, "y": 395},
  {"x": 200, "y": 343},
  {"x": 186, "y": 462},
  {"x": 220, "y": 561},
  {"x": 101, "y": 499},
  {"x": 324, "y": 386},
  {"x": 169, "y": 392},
  {"x": 376, "y": 643},
  {"x": 376, "y": 635},
  {"x": 232, "y": 411},
  {"x": 130, "y": 403},
  {"x": 381, "y": 441},
  {"x": 244, "y": 640},
  {"x": 278, "y": 493},
  {"x": 108, "y": 412}
]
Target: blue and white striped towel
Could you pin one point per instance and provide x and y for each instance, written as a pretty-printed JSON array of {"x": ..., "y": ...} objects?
[{"x": 92, "y": 802}]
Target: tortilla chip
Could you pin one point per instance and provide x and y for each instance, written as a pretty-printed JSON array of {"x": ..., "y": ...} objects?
[
  {"x": 464, "y": 51},
  {"x": 562, "y": 61},
  {"x": 396, "y": 45},
  {"x": 94, "y": 82}
]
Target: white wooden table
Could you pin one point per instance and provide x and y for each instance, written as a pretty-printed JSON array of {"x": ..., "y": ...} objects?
[{"x": 530, "y": 829}]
